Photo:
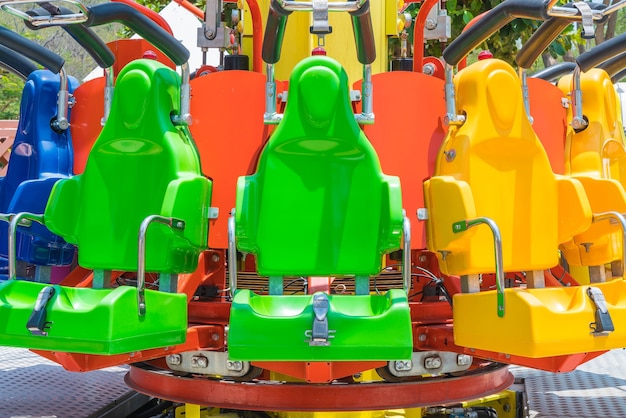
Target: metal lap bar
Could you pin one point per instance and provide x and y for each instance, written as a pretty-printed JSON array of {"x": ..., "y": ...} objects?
[
  {"x": 597, "y": 217},
  {"x": 578, "y": 121},
  {"x": 21, "y": 219},
  {"x": 497, "y": 248},
  {"x": 232, "y": 254},
  {"x": 406, "y": 253},
  {"x": 173, "y": 223},
  {"x": 51, "y": 20},
  {"x": 307, "y": 6},
  {"x": 366, "y": 117},
  {"x": 573, "y": 13}
]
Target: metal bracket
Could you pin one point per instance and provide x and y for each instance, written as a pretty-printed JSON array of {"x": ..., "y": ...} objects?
[
  {"x": 37, "y": 324},
  {"x": 320, "y": 26},
  {"x": 320, "y": 334},
  {"x": 173, "y": 223},
  {"x": 587, "y": 19},
  {"x": 212, "y": 18},
  {"x": 497, "y": 249},
  {"x": 603, "y": 324}
]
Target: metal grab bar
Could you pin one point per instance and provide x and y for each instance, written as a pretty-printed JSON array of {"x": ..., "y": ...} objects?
[
  {"x": 49, "y": 20},
  {"x": 406, "y": 252},
  {"x": 173, "y": 223},
  {"x": 22, "y": 219},
  {"x": 232, "y": 254},
  {"x": 497, "y": 248}
]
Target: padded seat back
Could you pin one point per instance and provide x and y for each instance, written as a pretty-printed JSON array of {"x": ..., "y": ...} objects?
[
  {"x": 140, "y": 165},
  {"x": 40, "y": 156},
  {"x": 494, "y": 166},
  {"x": 318, "y": 204},
  {"x": 597, "y": 157}
]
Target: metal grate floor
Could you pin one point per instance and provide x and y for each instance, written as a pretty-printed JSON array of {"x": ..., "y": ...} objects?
[
  {"x": 597, "y": 389},
  {"x": 34, "y": 387}
]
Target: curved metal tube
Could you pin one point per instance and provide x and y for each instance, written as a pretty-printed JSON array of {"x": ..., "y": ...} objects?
[
  {"x": 497, "y": 249},
  {"x": 232, "y": 254},
  {"x": 141, "y": 254},
  {"x": 14, "y": 221},
  {"x": 406, "y": 253}
]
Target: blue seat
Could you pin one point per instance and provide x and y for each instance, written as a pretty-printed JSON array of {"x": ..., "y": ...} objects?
[{"x": 40, "y": 156}]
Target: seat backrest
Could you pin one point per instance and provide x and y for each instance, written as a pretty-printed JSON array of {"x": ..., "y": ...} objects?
[
  {"x": 40, "y": 155},
  {"x": 597, "y": 156},
  {"x": 601, "y": 142},
  {"x": 38, "y": 151},
  {"x": 408, "y": 150},
  {"x": 229, "y": 142},
  {"x": 140, "y": 165},
  {"x": 318, "y": 204},
  {"x": 500, "y": 170}
]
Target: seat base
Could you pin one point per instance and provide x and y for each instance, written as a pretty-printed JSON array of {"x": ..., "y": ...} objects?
[
  {"x": 92, "y": 321},
  {"x": 366, "y": 328},
  {"x": 540, "y": 322}
]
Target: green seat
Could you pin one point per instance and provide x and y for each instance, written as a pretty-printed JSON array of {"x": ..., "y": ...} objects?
[
  {"x": 141, "y": 165},
  {"x": 91, "y": 321},
  {"x": 319, "y": 205}
]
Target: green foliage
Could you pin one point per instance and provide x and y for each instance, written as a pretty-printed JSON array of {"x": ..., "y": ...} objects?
[{"x": 10, "y": 93}]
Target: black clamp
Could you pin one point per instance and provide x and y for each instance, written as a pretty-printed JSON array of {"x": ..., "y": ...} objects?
[
  {"x": 603, "y": 324},
  {"x": 37, "y": 324}
]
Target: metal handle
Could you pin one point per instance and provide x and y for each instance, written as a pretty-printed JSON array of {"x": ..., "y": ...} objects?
[
  {"x": 61, "y": 123},
  {"x": 497, "y": 249},
  {"x": 602, "y": 216},
  {"x": 232, "y": 254},
  {"x": 22, "y": 219},
  {"x": 47, "y": 20},
  {"x": 173, "y": 223}
]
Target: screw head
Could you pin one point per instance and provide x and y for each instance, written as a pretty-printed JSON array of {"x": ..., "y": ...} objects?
[
  {"x": 199, "y": 362},
  {"x": 235, "y": 366},
  {"x": 175, "y": 359},
  {"x": 403, "y": 365}
]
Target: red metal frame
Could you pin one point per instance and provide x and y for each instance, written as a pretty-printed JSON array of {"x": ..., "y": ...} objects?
[{"x": 152, "y": 380}]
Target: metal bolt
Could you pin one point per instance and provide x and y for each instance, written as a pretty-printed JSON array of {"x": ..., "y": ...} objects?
[
  {"x": 357, "y": 376},
  {"x": 215, "y": 258},
  {"x": 506, "y": 407},
  {"x": 215, "y": 336},
  {"x": 422, "y": 337},
  {"x": 403, "y": 365},
  {"x": 235, "y": 366},
  {"x": 175, "y": 359},
  {"x": 450, "y": 155},
  {"x": 431, "y": 24},
  {"x": 463, "y": 360},
  {"x": 199, "y": 362},
  {"x": 423, "y": 258},
  {"x": 433, "y": 362}
]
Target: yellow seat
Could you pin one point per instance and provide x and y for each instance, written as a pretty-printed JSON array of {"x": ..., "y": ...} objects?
[
  {"x": 596, "y": 156},
  {"x": 494, "y": 166}
]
